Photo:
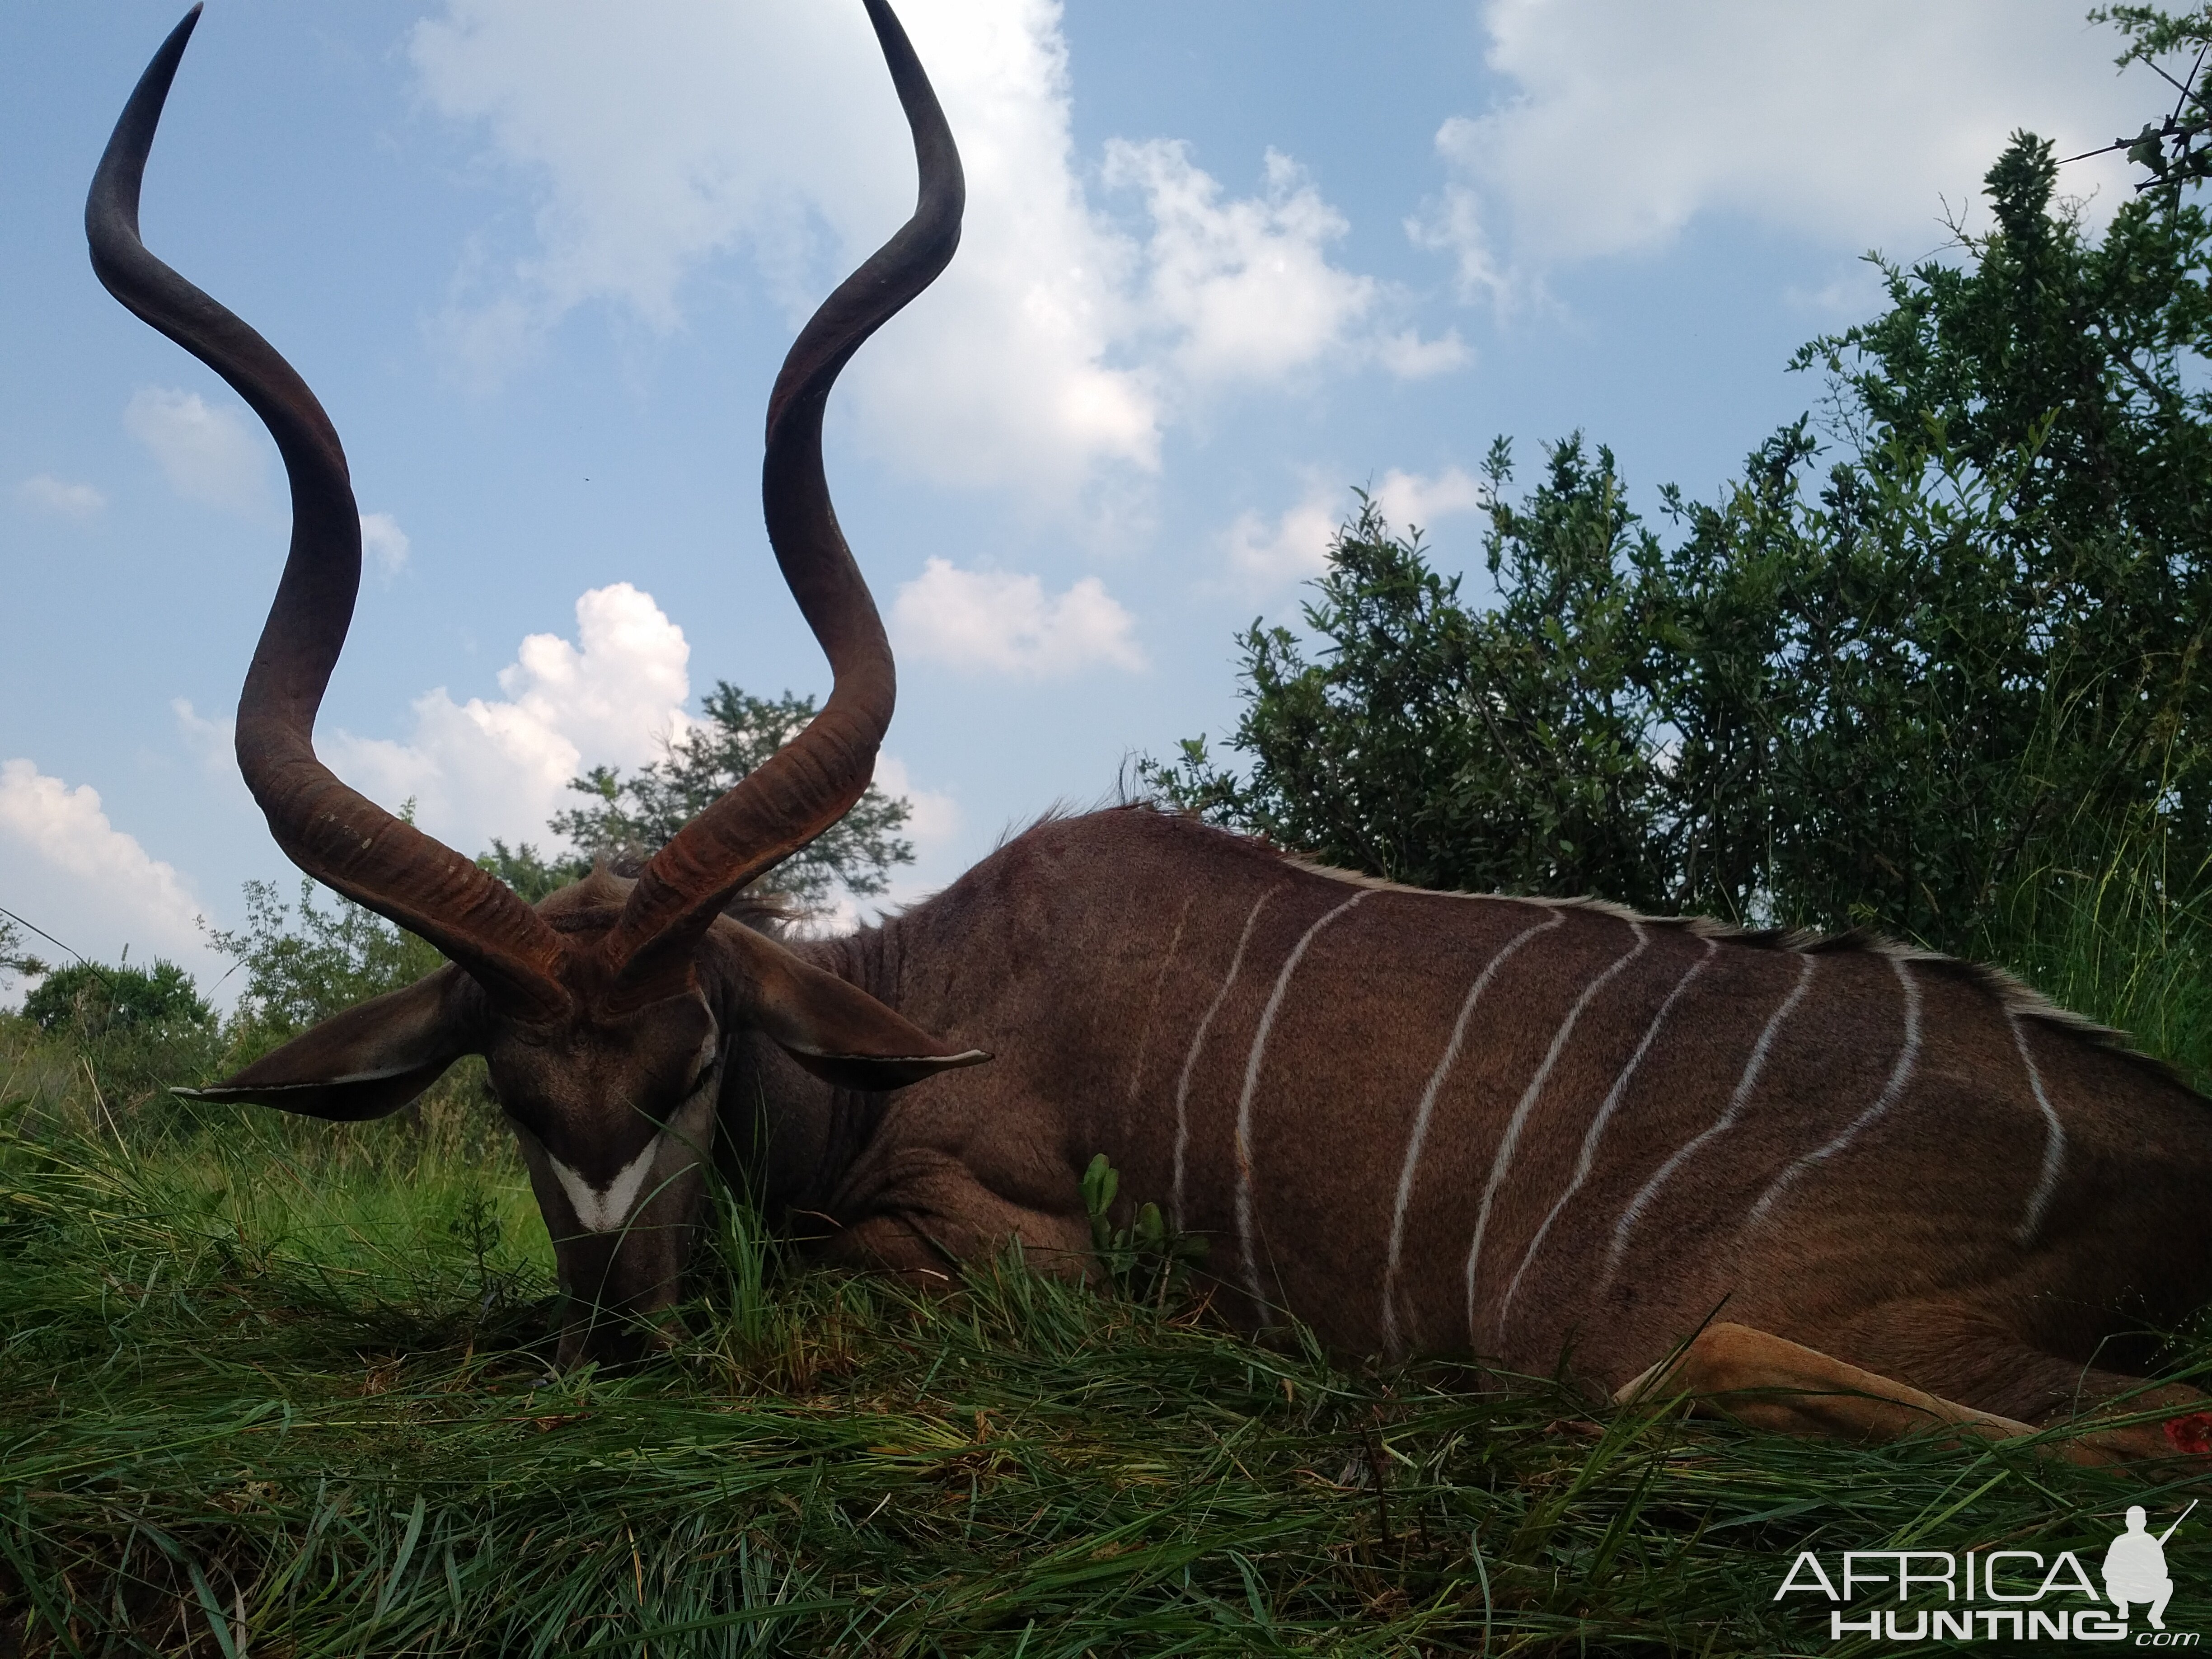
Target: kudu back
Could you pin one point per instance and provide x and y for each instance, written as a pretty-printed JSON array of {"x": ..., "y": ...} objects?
[{"x": 1547, "y": 1133}]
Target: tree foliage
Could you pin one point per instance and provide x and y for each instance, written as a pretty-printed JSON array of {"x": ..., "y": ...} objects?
[
  {"x": 15, "y": 961},
  {"x": 1890, "y": 678},
  {"x": 1446, "y": 746},
  {"x": 304, "y": 962},
  {"x": 532, "y": 874},
  {"x": 2175, "y": 151},
  {"x": 91, "y": 1000},
  {"x": 111, "y": 1036},
  {"x": 303, "y": 965},
  {"x": 628, "y": 819}
]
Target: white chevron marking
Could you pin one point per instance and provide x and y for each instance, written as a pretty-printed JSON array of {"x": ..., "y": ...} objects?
[{"x": 604, "y": 1209}]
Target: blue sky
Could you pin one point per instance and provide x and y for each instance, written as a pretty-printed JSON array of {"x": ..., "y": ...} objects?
[{"x": 1222, "y": 262}]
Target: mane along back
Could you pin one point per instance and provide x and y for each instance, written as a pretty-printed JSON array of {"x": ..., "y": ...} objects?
[{"x": 2009, "y": 994}]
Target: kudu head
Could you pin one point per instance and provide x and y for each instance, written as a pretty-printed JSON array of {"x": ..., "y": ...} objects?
[{"x": 604, "y": 1013}]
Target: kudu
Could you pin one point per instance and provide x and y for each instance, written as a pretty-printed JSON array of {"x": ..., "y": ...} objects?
[{"x": 1522, "y": 1128}]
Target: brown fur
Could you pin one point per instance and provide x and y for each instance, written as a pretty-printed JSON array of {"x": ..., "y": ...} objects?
[{"x": 1085, "y": 952}]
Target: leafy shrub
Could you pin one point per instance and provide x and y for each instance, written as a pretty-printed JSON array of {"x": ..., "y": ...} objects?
[
  {"x": 631, "y": 819},
  {"x": 1965, "y": 662},
  {"x": 93, "y": 999},
  {"x": 98, "y": 1045},
  {"x": 303, "y": 966},
  {"x": 1445, "y": 746}
]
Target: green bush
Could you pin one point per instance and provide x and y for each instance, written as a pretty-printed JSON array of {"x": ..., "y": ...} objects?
[
  {"x": 92, "y": 1000},
  {"x": 629, "y": 819},
  {"x": 100, "y": 1045},
  {"x": 304, "y": 965},
  {"x": 1960, "y": 666}
]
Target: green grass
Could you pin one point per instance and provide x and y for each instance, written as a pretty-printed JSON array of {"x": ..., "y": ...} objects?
[
  {"x": 273, "y": 1387},
  {"x": 2127, "y": 942},
  {"x": 258, "y": 1400}
]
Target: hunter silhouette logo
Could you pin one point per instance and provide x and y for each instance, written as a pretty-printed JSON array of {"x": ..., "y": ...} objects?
[
  {"x": 2010, "y": 1595},
  {"x": 2134, "y": 1566}
]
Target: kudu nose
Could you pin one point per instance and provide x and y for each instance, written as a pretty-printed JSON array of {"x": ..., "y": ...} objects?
[{"x": 622, "y": 1289}]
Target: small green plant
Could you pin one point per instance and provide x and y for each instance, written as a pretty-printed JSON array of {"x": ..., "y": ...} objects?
[
  {"x": 1146, "y": 1259},
  {"x": 480, "y": 1230}
]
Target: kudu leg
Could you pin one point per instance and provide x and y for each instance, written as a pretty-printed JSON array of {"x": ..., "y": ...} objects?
[
  {"x": 1772, "y": 1384},
  {"x": 2181, "y": 1428},
  {"x": 923, "y": 1213},
  {"x": 1962, "y": 1351}
]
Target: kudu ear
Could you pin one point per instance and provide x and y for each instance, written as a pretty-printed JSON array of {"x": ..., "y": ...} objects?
[
  {"x": 369, "y": 1060},
  {"x": 836, "y": 1030}
]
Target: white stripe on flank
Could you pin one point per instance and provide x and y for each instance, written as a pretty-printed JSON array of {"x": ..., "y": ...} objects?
[
  {"x": 1587, "y": 1161},
  {"x": 1690, "y": 1149},
  {"x": 1511, "y": 1142},
  {"x": 1197, "y": 1042},
  {"x": 1899, "y": 1075},
  {"x": 1144, "y": 1035},
  {"x": 1251, "y": 1081},
  {"x": 1391, "y": 1342},
  {"x": 2054, "y": 1141},
  {"x": 604, "y": 1209}
]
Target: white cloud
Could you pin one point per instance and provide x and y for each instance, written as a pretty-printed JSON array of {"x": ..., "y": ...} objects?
[
  {"x": 696, "y": 128},
  {"x": 1409, "y": 357},
  {"x": 1292, "y": 546},
  {"x": 935, "y": 818},
  {"x": 1852, "y": 295},
  {"x": 1000, "y": 620},
  {"x": 209, "y": 454},
  {"x": 1408, "y": 499},
  {"x": 64, "y": 499},
  {"x": 655, "y": 140},
  {"x": 1241, "y": 289},
  {"x": 490, "y": 767},
  {"x": 1004, "y": 375},
  {"x": 1454, "y": 224},
  {"x": 499, "y": 767},
  {"x": 384, "y": 542},
  {"x": 1243, "y": 286},
  {"x": 1851, "y": 123},
  {"x": 66, "y": 828},
  {"x": 211, "y": 742},
  {"x": 1055, "y": 348},
  {"x": 66, "y": 868}
]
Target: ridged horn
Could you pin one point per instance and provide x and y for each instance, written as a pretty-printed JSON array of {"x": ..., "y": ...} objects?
[
  {"x": 339, "y": 838},
  {"x": 809, "y": 783}
]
